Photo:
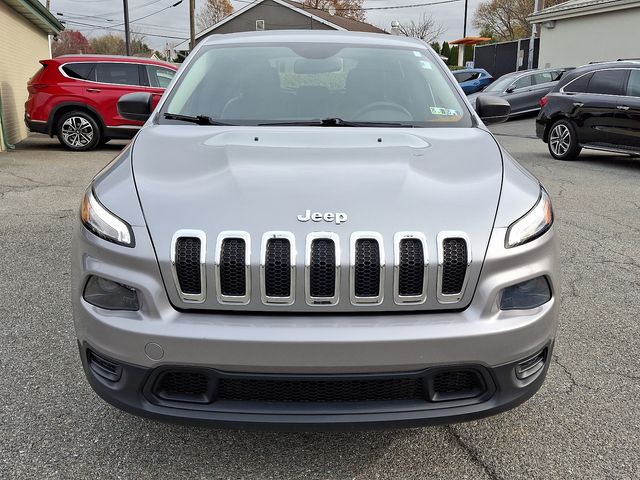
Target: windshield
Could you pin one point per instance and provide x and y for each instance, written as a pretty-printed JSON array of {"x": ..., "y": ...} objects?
[
  {"x": 297, "y": 82},
  {"x": 500, "y": 85}
]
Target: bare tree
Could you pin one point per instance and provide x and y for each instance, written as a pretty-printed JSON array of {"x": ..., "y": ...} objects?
[
  {"x": 425, "y": 28},
  {"x": 212, "y": 12},
  {"x": 344, "y": 8},
  {"x": 504, "y": 20}
]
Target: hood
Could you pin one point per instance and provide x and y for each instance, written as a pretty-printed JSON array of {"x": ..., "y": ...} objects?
[{"x": 259, "y": 179}]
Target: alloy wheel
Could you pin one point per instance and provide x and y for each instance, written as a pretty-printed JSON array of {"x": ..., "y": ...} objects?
[
  {"x": 77, "y": 132},
  {"x": 560, "y": 140}
]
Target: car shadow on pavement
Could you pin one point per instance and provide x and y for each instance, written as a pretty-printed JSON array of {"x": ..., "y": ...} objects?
[{"x": 39, "y": 142}]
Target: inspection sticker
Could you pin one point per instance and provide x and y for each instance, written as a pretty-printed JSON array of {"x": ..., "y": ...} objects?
[{"x": 450, "y": 112}]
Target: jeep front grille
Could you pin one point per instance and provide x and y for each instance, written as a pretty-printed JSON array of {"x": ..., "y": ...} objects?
[
  {"x": 453, "y": 266},
  {"x": 188, "y": 255},
  {"x": 367, "y": 268},
  {"x": 233, "y": 267},
  {"x": 279, "y": 264},
  {"x": 278, "y": 268},
  {"x": 322, "y": 278},
  {"x": 411, "y": 268}
]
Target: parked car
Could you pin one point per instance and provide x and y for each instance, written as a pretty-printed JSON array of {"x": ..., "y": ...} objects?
[
  {"x": 597, "y": 107},
  {"x": 75, "y": 96},
  {"x": 279, "y": 247},
  {"x": 523, "y": 90},
  {"x": 473, "y": 80}
]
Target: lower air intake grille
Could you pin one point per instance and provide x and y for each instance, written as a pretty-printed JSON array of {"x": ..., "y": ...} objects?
[
  {"x": 367, "y": 268},
  {"x": 454, "y": 265},
  {"x": 184, "y": 386},
  {"x": 233, "y": 273},
  {"x": 456, "y": 384},
  {"x": 411, "y": 268},
  {"x": 308, "y": 391},
  {"x": 103, "y": 367},
  {"x": 277, "y": 268},
  {"x": 188, "y": 265},
  {"x": 322, "y": 272}
]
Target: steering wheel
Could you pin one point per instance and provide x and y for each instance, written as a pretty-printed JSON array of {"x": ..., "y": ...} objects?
[{"x": 382, "y": 106}]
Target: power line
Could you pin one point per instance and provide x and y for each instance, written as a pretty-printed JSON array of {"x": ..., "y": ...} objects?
[
  {"x": 100, "y": 27},
  {"x": 350, "y": 9}
]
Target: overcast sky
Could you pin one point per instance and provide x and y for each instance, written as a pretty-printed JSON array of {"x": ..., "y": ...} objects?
[{"x": 174, "y": 21}]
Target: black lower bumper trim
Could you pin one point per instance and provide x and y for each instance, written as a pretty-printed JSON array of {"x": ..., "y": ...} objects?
[{"x": 134, "y": 393}]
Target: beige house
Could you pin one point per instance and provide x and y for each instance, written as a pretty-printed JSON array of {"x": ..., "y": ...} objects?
[
  {"x": 25, "y": 26},
  {"x": 577, "y": 32}
]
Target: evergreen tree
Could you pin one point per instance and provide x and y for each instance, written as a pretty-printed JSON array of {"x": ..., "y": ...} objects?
[
  {"x": 445, "y": 50},
  {"x": 453, "y": 56},
  {"x": 436, "y": 47}
]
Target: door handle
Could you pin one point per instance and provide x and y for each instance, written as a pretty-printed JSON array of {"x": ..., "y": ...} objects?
[
  {"x": 622, "y": 107},
  {"x": 94, "y": 90},
  {"x": 578, "y": 104}
]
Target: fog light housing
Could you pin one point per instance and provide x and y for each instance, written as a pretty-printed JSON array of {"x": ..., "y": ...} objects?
[
  {"x": 111, "y": 295},
  {"x": 525, "y": 295}
]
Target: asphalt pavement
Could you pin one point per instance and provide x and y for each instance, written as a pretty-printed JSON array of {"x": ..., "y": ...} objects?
[{"x": 584, "y": 423}]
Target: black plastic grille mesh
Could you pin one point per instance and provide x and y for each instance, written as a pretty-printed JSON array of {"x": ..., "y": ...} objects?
[
  {"x": 447, "y": 384},
  {"x": 411, "y": 268},
  {"x": 183, "y": 384},
  {"x": 233, "y": 274},
  {"x": 188, "y": 264},
  {"x": 367, "y": 268},
  {"x": 307, "y": 391},
  {"x": 454, "y": 265},
  {"x": 322, "y": 274},
  {"x": 277, "y": 268}
]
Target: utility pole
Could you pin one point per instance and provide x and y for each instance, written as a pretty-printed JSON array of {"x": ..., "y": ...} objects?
[
  {"x": 192, "y": 24},
  {"x": 532, "y": 40},
  {"x": 127, "y": 33},
  {"x": 48, "y": 5},
  {"x": 464, "y": 29}
]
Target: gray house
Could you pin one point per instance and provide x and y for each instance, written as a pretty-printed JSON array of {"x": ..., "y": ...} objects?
[{"x": 280, "y": 15}]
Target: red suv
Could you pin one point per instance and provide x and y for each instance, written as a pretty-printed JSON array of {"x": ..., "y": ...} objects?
[{"x": 75, "y": 96}]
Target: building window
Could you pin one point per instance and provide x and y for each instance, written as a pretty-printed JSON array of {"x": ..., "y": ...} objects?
[{"x": 259, "y": 24}]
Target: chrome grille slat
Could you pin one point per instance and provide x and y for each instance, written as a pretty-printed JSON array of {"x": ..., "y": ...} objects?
[
  {"x": 454, "y": 259},
  {"x": 278, "y": 274},
  {"x": 321, "y": 275},
  {"x": 188, "y": 257},
  {"x": 410, "y": 268},
  {"x": 233, "y": 267},
  {"x": 322, "y": 268},
  {"x": 366, "y": 280}
]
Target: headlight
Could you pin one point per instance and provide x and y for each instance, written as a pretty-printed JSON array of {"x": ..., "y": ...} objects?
[
  {"x": 533, "y": 224},
  {"x": 104, "y": 223}
]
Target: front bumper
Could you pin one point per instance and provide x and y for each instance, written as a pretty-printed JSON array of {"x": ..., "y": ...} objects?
[
  {"x": 135, "y": 393},
  {"x": 291, "y": 344}
]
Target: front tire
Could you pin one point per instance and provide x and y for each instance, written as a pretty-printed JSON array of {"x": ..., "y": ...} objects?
[
  {"x": 78, "y": 131},
  {"x": 563, "y": 141}
]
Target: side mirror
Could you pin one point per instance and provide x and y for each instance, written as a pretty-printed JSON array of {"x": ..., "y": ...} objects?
[
  {"x": 509, "y": 90},
  {"x": 492, "y": 109},
  {"x": 136, "y": 106}
]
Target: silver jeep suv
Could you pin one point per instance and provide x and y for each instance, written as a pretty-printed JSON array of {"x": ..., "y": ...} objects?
[{"x": 315, "y": 230}]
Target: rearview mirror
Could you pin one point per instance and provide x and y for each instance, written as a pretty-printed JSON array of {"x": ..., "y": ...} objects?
[
  {"x": 136, "y": 106},
  {"x": 492, "y": 109}
]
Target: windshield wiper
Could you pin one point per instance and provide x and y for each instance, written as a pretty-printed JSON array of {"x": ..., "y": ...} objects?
[
  {"x": 199, "y": 119},
  {"x": 334, "y": 122}
]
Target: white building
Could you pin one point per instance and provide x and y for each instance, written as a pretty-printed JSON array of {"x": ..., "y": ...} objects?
[{"x": 582, "y": 31}]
